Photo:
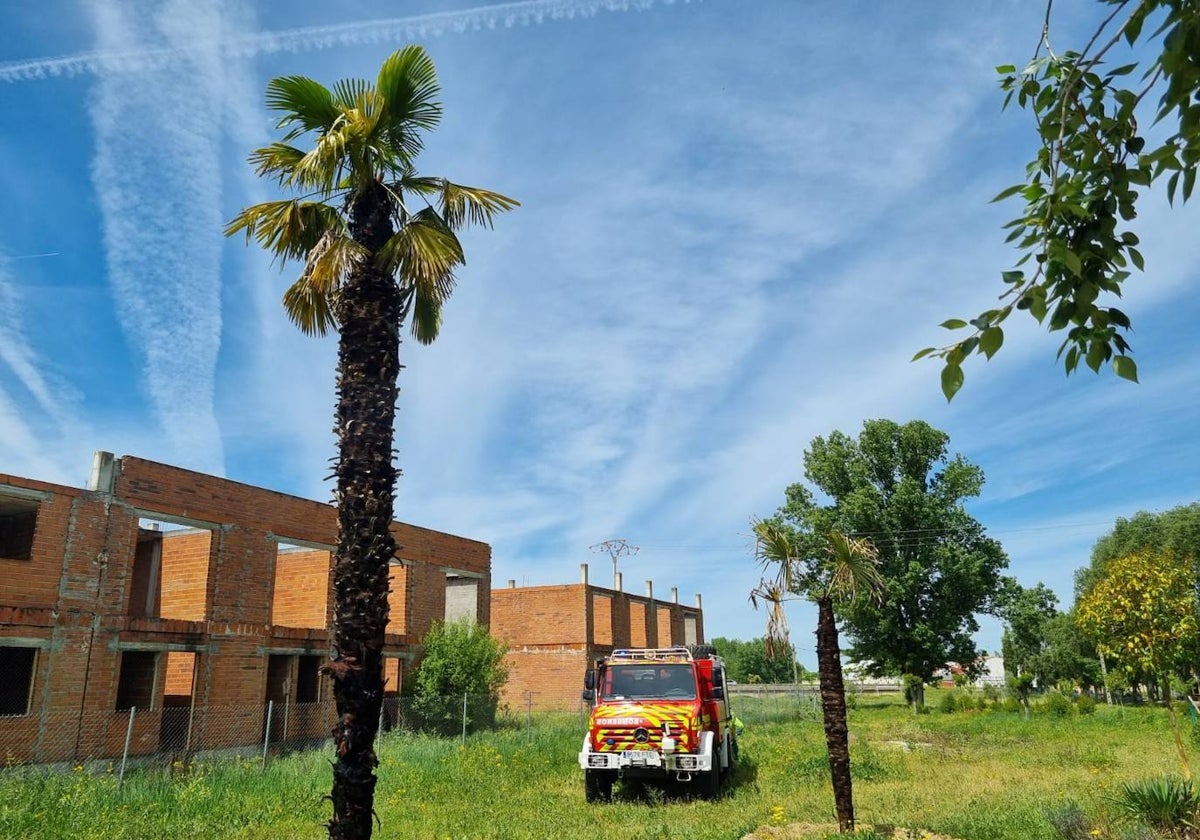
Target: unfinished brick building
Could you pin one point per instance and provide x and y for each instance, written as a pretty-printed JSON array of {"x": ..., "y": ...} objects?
[
  {"x": 554, "y": 633},
  {"x": 106, "y": 603}
]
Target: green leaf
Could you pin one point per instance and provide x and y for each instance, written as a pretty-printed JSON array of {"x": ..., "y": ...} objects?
[
  {"x": 954, "y": 324},
  {"x": 1189, "y": 181},
  {"x": 1006, "y": 69},
  {"x": 1037, "y": 307},
  {"x": 1008, "y": 193},
  {"x": 991, "y": 340},
  {"x": 1072, "y": 261},
  {"x": 1013, "y": 276},
  {"x": 921, "y": 354},
  {"x": 1095, "y": 355},
  {"x": 952, "y": 380},
  {"x": 1124, "y": 367}
]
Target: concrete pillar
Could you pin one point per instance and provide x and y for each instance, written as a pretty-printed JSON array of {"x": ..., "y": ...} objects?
[
  {"x": 618, "y": 582},
  {"x": 104, "y": 472},
  {"x": 583, "y": 573},
  {"x": 512, "y": 584},
  {"x": 699, "y": 602},
  {"x": 650, "y": 589},
  {"x": 674, "y": 594}
]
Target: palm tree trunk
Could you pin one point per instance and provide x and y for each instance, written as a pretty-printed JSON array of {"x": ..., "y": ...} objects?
[
  {"x": 833, "y": 708},
  {"x": 370, "y": 312}
]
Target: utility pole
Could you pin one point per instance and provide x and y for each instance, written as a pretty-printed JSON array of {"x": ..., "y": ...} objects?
[{"x": 614, "y": 549}]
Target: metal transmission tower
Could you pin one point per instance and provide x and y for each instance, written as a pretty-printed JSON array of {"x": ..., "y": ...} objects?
[{"x": 615, "y": 549}]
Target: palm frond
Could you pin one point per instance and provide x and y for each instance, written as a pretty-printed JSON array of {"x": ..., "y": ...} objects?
[
  {"x": 278, "y": 159},
  {"x": 423, "y": 254},
  {"x": 408, "y": 83},
  {"x": 463, "y": 205},
  {"x": 426, "y": 318},
  {"x": 322, "y": 167},
  {"x": 309, "y": 309},
  {"x": 347, "y": 91},
  {"x": 288, "y": 229},
  {"x": 331, "y": 260},
  {"x": 778, "y": 634},
  {"x": 307, "y": 105},
  {"x": 853, "y": 566}
]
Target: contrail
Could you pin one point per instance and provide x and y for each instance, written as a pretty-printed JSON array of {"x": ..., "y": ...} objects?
[
  {"x": 29, "y": 256},
  {"x": 414, "y": 27}
]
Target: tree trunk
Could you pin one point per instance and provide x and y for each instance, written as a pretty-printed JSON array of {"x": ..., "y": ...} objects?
[
  {"x": 370, "y": 312},
  {"x": 833, "y": 708}
]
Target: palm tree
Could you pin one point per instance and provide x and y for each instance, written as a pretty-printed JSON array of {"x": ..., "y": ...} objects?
[
  {"x": 378, "y": 246},
  {"x": 847, "y": 569}
]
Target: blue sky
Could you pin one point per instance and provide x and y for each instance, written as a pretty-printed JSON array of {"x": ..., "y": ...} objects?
[{"x": 740, "y": 219}]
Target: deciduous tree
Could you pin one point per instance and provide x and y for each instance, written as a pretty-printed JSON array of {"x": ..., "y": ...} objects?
[
  {"x": 897, "y": 485},
  {"x": 1092, "y": 105}
]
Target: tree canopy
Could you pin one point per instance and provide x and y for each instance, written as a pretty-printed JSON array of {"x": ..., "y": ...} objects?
[
  {"x": 746, "y": 661},
  {"x": 1092, "y": 110},
  {"x": 897, "y": 485}
]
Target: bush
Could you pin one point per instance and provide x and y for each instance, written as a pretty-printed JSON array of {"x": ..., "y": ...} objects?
[
  {"x": 948, "y": 703},
  {"x": 1070, "y": 822},
  {"x": 1168, "y": 803},
  {"x": 461, "y": 660},
  {"x": 1086, "y": 704},
  {"x": 1058, "y": 704},
  {"x": 1010, "y": 704},
  {"x": 991, "y": 693}
]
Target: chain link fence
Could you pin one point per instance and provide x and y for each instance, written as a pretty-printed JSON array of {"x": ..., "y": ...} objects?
[{"x": 175, "y": 736}]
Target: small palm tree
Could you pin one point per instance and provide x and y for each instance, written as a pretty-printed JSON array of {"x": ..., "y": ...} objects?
[
  {"x": 379, "y": 247},
  {"x": 847, "y": 569}
]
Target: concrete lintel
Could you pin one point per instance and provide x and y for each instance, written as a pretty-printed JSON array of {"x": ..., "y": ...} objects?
[
  {"x": 24, "y": 493},
  {"x": 461, "y": 573},
  {"x": 26, "y": 642},
  {"x": 158, "y": 647},
  {"x": 321, "y": 649},
  {"x": 186, "y": 521},
  {"x": 317, "y": 546}
]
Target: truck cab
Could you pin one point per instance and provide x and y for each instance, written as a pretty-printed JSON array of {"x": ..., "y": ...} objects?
[{"x": 658, "y": 714}]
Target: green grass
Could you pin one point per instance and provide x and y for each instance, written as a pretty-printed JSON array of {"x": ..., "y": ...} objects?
[{"x": 974, "y": 775}]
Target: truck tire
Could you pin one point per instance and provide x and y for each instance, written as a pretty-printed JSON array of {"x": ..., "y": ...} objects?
[
  {"x": 702, "y": 651},
  {"x": 597, "y": 786},
  {"x": 710, "y": 784}
]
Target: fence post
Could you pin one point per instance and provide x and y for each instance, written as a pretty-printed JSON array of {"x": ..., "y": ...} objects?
[
  {"x": 379, "y": 729},
  {"x": 529, "y": 717},
  {"x": 267, "y": 735},
  {"x": 125, "y": 752},
  {"x": 464, "y": 719}
]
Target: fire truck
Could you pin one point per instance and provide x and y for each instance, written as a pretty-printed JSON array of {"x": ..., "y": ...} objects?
[{"x": 658, "y": 714}]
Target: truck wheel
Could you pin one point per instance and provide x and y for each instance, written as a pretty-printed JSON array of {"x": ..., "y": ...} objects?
[
  {"x": 710, "y": 784},
  {"x": 597, "y": 786},
  {"x": 702, "y": 651}
]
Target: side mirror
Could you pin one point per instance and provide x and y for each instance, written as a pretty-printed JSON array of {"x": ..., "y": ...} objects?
[
  {"x": 589, "y": 679},
  {"x": 588, "y": 695},
  {"x": 718, "y": 692}
]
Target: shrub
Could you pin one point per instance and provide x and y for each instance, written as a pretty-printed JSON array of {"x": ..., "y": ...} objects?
[
  {"x": 1086, "y": 704},
  {"x": 1069, "y": 821},
  {"x": 1168, "y": 803},
  {"x": 948, "y": 703},
  {"x": 1010, "y": 704},
  {"x": 991, "y": 693},
  {"x": 1058, "y": 704},
  {"x": 461, "y": 660}
]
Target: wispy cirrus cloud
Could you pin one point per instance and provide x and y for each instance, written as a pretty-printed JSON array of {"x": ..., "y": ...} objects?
[{"x": 157, "y": 177}]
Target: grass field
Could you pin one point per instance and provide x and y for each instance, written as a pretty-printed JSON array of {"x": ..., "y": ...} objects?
[{"x": 976, "y": 775}]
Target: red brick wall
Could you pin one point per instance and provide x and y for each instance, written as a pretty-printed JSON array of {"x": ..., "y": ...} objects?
[
  {"x": 218, "y": 594},
  {"x": 184, "y": 574},
  {"x": 554, "y": 676},
  {"x": 302, "y": 582},
  {"x": 540, "y": 615}
]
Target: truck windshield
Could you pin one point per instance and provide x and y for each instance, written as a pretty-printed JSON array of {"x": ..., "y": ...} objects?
[{"x": 641, "y": 682}]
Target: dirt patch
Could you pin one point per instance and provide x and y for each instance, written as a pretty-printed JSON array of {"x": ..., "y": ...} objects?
[{"x": 797, "y": 831}]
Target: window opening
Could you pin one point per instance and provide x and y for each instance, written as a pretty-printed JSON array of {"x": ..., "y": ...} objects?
[{"x": 16, "y": 686}]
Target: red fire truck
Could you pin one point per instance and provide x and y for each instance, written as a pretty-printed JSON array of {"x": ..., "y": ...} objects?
[{"x": 658, "y": 714}]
